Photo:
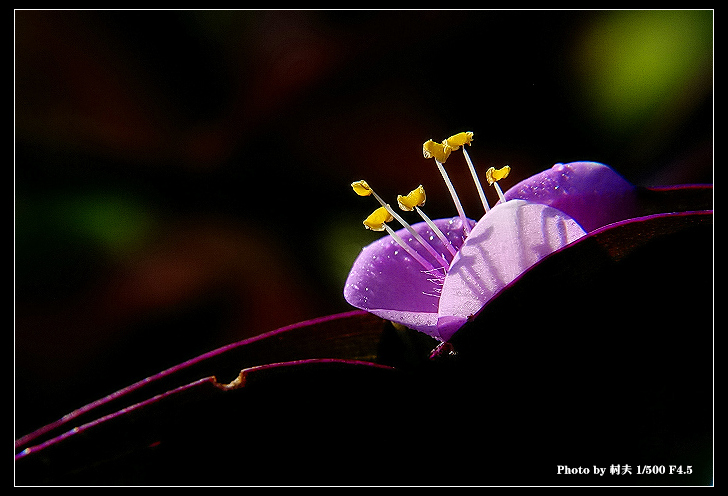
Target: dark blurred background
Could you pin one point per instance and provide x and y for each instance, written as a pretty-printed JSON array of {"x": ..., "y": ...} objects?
[{"x": 182, "y": 177}]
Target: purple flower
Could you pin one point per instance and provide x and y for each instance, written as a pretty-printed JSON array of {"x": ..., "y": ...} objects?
[
  {"x": 533, "y": 219},
  {"x": 387, "y": 282}
]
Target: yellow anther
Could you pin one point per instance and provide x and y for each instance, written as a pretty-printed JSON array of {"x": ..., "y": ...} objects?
[
  {"x": 415, "y": 198},
  {"x": 493, "y": 174},
  {"x": 438, "y": 151},
  {"x": 361, "y": 188},
  {"x": 376, "y": 220},
  {"x": 457, "y": 140}
]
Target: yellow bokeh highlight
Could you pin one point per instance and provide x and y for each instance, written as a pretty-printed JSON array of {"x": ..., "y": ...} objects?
[{"x": 636, "y": 68}]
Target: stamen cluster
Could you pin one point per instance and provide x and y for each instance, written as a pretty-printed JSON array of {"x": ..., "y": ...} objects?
[{"x": 377, "y": 221}]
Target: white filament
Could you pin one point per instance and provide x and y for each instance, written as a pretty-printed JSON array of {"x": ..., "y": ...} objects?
[
  {"x": 479, "y": 186},
  {"x": 427, "y": 265},
  {"x": 437, "y": 231},
  {"x": 455, "y": 199}
]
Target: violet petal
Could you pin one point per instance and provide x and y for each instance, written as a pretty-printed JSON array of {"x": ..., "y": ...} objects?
[
  {"x": 506, "y": 242},
  {"x": 387, "y": 282},
  {"x": 591, "y": 193}
]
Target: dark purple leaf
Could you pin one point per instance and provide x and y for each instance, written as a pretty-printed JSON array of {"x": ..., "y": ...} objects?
[{"x": 601, "y": 354}]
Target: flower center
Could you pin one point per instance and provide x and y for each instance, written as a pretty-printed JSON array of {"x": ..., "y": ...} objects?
[{"x": 415, "y": 199}]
